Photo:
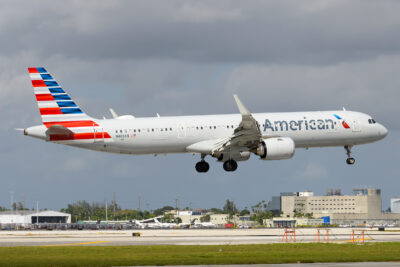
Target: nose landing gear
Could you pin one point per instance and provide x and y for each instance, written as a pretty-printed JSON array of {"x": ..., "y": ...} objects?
[{"x": 349, "y": 160}]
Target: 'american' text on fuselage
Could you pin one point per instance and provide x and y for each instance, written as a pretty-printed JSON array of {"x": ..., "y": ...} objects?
[{"x": 298, "y": 125}]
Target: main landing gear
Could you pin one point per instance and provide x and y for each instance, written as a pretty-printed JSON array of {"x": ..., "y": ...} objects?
[
  {"x": 230, "y": 165},
  {"x": 349, "y": 159},
  {"x": 202, "y": 166}
]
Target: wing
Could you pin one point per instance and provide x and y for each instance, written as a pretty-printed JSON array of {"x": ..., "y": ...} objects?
[{"x": 247, "y": 135}]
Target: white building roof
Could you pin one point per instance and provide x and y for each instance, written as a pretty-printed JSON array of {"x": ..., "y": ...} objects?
[{"x": 32, "y": 212}]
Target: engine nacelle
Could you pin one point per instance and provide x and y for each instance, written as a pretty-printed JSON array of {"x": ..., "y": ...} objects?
[
  {"x": 237, "y": 156},
  {"x": 276, "y": 148}
]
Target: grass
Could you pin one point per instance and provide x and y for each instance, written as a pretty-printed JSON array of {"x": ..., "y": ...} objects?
[{"x": 189, "y": 255}]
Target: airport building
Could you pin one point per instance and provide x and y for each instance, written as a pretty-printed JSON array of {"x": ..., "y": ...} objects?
[
  {"x": 27, "y": 217},
  {"x": 395, "y": 205},
  {"x": 292, "y": 222},
  {"x": 364, "y": 201},
  {"x": 187, "y": 216},
  {"x": 363, "y": 207}
]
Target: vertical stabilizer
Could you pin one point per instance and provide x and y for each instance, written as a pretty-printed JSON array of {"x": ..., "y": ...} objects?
[{"x": 55, "y": 105}]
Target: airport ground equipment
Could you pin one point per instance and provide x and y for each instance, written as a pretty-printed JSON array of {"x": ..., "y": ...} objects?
[{"x": 289, "y": 235}]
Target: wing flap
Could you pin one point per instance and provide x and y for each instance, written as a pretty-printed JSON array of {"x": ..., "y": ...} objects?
[{"x": 206, "y": 147}]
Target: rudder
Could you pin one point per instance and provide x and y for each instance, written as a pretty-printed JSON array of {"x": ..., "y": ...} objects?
[{"x": 55, "y": 105}]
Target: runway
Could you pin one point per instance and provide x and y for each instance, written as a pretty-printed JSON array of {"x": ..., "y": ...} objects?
[{"x": 190, "y": 237}]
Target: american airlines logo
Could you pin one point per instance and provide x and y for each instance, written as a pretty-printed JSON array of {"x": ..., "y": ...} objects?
[
  {"x": 298, "y": 125},
  {"x": 344, "y": 123}
]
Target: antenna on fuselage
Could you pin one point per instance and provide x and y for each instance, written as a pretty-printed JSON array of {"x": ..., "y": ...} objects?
[
  {"x": 158, "y": 115},
  {"x": 344, "y": 109}
]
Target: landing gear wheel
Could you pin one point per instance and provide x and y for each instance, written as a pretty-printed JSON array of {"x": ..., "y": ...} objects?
[
  {"x": 230, "y": 165},
  {"x": 350, "y": 161},
  {"x": 202, "y": 166}
]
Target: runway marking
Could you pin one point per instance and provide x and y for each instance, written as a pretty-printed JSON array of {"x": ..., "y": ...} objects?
[{"x": 75, "y": 244}]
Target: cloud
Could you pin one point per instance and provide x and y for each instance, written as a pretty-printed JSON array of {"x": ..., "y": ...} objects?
[
  {"x": 283, "y": 32},
  {"x": 356, "y": 85},
  {"x": 74, "y": 165},
  {"x": 198, "y": 12},
  {"x": 312, "y": 172},
  {"x": 188, "y": 57}
]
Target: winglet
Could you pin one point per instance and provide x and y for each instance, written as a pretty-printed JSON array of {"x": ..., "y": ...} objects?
[
  {"x": 243, "y": 110},
  {"x": 113, "y": 113}
]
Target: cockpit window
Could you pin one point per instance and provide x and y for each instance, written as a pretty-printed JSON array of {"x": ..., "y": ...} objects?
[{"x": 371, "y": 121}]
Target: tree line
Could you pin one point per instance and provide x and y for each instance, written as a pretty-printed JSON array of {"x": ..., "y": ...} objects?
[{"x": 95, "y": 211}]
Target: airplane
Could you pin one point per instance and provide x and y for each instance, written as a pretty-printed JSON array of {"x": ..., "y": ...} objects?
[
  {"x": 154, "y": 223},
  {"x": 228, "y": 138},
  {"x": 198, "y": 224}
]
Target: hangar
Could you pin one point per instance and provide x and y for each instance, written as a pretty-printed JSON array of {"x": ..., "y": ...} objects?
[{"x": 27, "y": 217}]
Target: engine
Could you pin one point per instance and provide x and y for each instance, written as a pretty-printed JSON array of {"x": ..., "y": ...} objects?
[
  {"x": 236, "y": 156},
  {"x": 276, "y": 148}
]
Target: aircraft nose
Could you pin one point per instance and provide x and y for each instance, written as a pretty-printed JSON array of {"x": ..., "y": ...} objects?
[{"x": 382, "y": 131}]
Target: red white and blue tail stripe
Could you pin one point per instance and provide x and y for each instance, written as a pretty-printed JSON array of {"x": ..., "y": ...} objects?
[
  {"x": 57, "y": 108},
  {"x": 55, "y": 105}
]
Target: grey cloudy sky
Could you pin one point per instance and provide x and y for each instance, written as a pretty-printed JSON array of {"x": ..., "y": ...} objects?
[{"x": 189, "y": 57}]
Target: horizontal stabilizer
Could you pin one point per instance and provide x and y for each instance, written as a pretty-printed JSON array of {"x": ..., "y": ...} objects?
[{"x": 59, "y": 130}]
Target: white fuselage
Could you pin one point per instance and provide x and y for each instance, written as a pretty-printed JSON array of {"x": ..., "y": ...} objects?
[
  {"x": 229, "y": 138},
  {"x": 161, "y": 135}
]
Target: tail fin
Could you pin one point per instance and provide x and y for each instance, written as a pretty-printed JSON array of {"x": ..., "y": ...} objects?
[{"x": 55, "y": 105}]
